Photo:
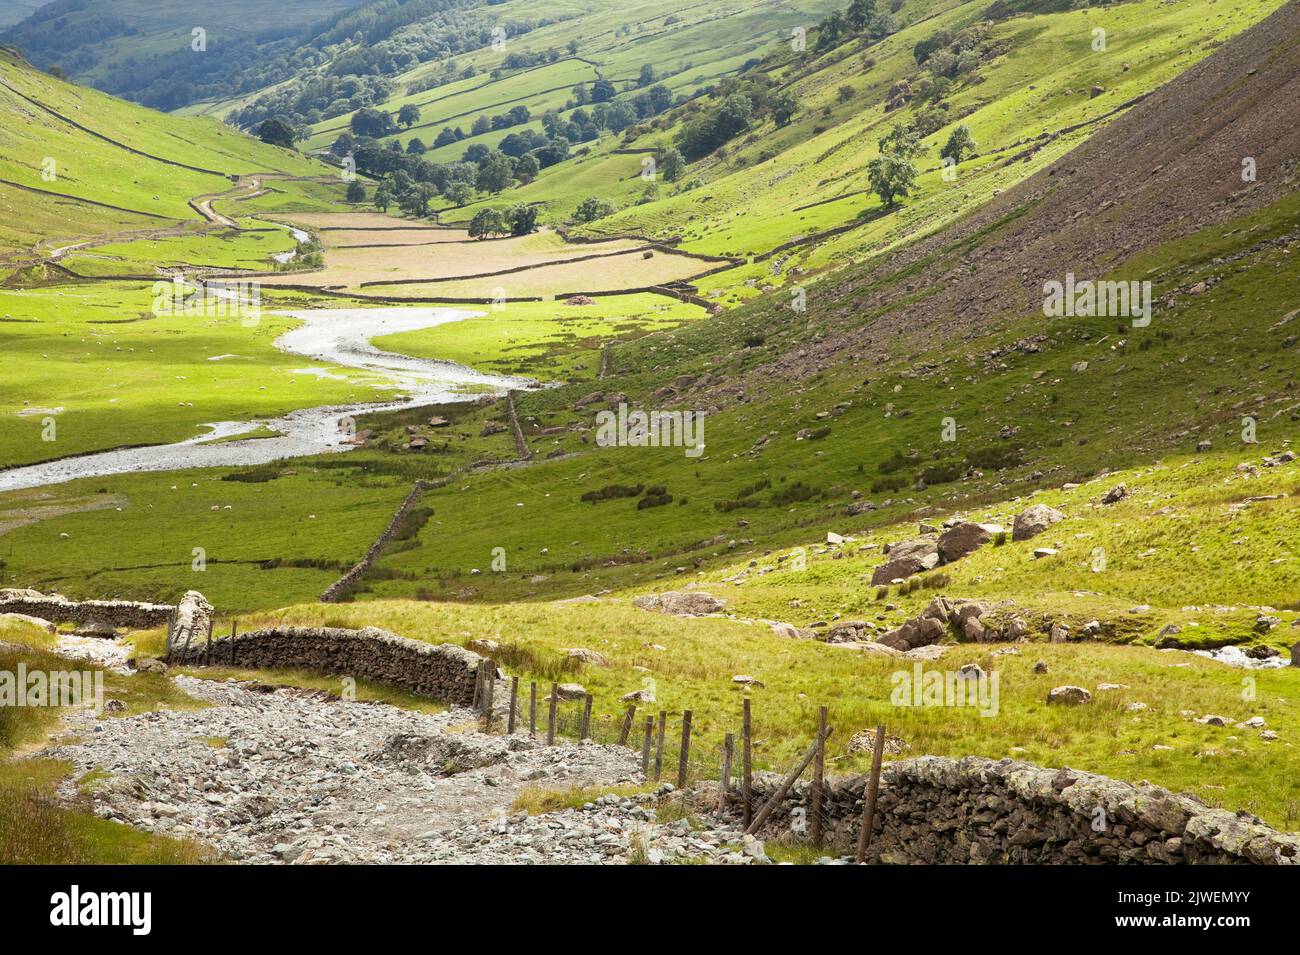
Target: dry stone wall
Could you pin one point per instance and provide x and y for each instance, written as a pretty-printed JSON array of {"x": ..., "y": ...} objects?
[
  {"x": 120, "y": 614},
  {"x": 973, "y": 810},
  {"x": 444, "y": 672},
  {"x": 342, "y": 588}
]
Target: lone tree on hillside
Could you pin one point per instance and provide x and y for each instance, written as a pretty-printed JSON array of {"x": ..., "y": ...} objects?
[
  {"x": 408, "y": 115},
  {"x": 591, "y": 209},
  {"x": 383, "y": 196},
  {"x": 671, "y": 163},
  {"x": 784, "y": 108},
  {"x": 960, "y": 143},
  {"x": 892, "y": 173},
  {"x": 356, "y": 192},
  {"x": 276, "y": 132}
]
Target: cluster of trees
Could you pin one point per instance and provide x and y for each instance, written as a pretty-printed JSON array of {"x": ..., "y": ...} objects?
[
  {"x": 519, "y": 219},
  {"x": 862, "y": 18},
  {"x": 740, "y": 103},
  {"x": 892, "y": 174},
  {"x": 348, "y": 65}
]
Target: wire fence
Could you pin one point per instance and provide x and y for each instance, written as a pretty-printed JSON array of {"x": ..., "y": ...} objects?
[{"x": 669, "y": 752}]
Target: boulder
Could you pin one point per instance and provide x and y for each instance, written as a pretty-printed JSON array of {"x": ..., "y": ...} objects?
[
  {"x": 581, "y": 656},
  {"x": 1032, "y": 521},
  {"x": 638, "y": 696},
  {"x": 98, "y": 629},
  {"x": 917, "y": 632},
  {"x": 681, "y": 603},
  {"x": 571, "y": 691},
  {"x": 1115, "y": 494},
  {"x": 965, "y": 538},
  {"x": 1069, "y": 695},
  {"x": 907, "y": 558},
  {"x": 36, "y": 622}
]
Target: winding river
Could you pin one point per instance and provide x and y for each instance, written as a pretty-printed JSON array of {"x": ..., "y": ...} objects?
[{"x": 339, "y": 337}]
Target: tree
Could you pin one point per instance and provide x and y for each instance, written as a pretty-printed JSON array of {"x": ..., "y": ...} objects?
[
  {"x": 784, "y": 108},
  {"x": 416, "y": 147},
  {"x": 959, "y": 144},
  {"x": 591, "y": 209},
  {"x": 487, "y": 222},
  {"x": 602, "y": 91},
  {"x": 415, "y": 201},
  {"x": 344, "y": 145},
  {"x": 383, "y": 196},
  {"x": 830, "y": 31},
  {"x": 522, "y": 219},
  {"x": 276, "y": 132},
  {"x": 444, "y": 138},
  {"x": 356, "y": 192},
  {"x": 372, "y": 123},
  {"x": 494, "y": 173},
  {"x": 672, "y": 164},
  {"x": 408, "y": 115},
  {"x": 458, "y": 193},
  {"x": 647, "y": 75},
  {"x": 733, "y": 116},
  {"x": 892, "y": 173},
  {"x": 859, "y": 14}
]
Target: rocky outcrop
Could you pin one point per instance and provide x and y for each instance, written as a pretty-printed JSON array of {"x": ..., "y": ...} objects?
[
  {"x": 1032, "y": 521},
  {"x": 445, "y": 672},
  {"x": 965, "y": 538},
  {"x": 681, "y": 603},
  {"x": 974, "y": 810},
  {"x": 119, "y": 614},
  {"x": 907, "y": 558}
]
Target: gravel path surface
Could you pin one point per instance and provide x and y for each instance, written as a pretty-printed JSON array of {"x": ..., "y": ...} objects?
[{"x": 293, "y": 776}]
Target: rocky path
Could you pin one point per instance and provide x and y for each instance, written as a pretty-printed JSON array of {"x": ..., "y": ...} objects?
[{"x": 291, "y": 776}]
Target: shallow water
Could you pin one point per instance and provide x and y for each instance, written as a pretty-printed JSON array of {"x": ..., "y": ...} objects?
[{"x": 338, "y": 336}]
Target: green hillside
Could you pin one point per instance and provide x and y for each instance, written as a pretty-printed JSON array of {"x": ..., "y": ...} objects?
[{"x": 861, "y": 328}]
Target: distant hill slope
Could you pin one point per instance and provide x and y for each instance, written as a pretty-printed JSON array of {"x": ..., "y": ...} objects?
[
  {"x": 14, "y": 11},
  {"x": 144, "y": 49},
  {"x": 75, "y": 162}
]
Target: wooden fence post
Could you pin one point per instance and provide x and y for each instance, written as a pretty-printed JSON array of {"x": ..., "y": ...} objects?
[
  {"x": 819, "y": 768},
  {"x": 784, "y": 788},
  {"x": 746, "y": 768},
  {"x": 728, "y": 746},
  {"x": 645, "y": 746},
  {"x": 586, "y": 718},
  {"x": 685, "y": 755},
  {"x": 550, "y": 719},
  {"x": 627, "y": 725},
  {"x": 869, "y": 797},
  {"x": 234, "y": 632},
  {"x": 514, "y": 703},
  {"x": 489, "y": 689},
  {"x": 532, "y": 708},
  {"x": 659, "y": 746}
]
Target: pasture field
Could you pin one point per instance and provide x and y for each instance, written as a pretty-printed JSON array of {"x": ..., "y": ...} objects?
[{"x": 550, "y": 341}]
